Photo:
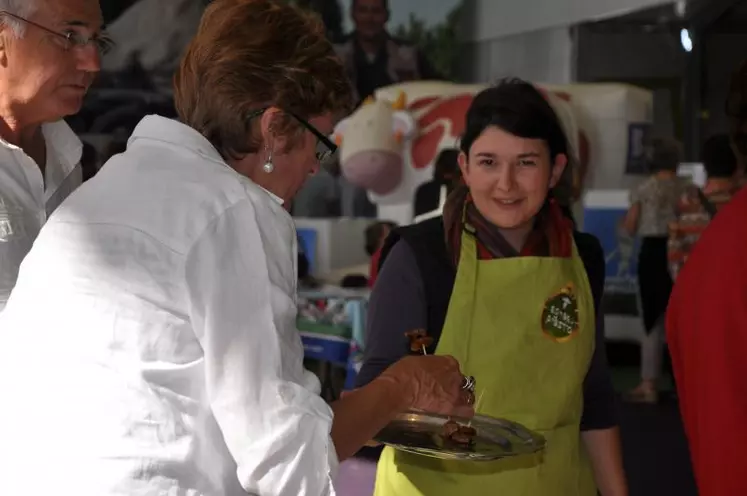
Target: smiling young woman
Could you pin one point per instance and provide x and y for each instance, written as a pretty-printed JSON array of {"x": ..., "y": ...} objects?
[{"x": 505, "y": 284}]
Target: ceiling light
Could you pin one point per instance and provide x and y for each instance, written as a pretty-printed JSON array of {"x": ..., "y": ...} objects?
[{"x": 686, "y": 40}]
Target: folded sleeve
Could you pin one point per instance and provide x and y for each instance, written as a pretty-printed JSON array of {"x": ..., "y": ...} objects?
[{"x": 275, "y": 425}]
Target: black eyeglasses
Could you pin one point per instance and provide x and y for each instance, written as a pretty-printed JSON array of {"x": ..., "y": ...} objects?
[
  {"x": 325, "y": 150},
  {"x": 72, "y": 39}
]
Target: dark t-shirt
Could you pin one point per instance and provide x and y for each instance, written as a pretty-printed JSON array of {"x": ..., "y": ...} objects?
[
  {"x": 398, "y": 304},
  {"x": 372, "y": 74},
  {"x": 428, "y": 197}
]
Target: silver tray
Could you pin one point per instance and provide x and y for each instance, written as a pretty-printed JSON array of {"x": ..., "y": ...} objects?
[{"x": 420, "y": 433}]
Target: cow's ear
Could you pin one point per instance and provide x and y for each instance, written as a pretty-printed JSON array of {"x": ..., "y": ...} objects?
[
  {"x": 404, "y": 124},
  {"x": 339, "y": 131}
]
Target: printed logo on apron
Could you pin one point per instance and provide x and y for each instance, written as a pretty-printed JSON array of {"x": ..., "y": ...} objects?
[{"x": 560, "y": 315}]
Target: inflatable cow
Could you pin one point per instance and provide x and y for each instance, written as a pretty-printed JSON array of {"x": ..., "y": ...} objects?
[{"x": 389, "y": 144}]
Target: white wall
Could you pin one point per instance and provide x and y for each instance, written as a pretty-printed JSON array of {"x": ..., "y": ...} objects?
[
  {"x": 544, "y": 55},
  {"x": 340, "y": 243},
  {"x": 500, "y": 18}
]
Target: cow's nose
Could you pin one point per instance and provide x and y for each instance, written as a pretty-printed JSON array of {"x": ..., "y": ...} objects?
[{"x": 377, "y": 171}]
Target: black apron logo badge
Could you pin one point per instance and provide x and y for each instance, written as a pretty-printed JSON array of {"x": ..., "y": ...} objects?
[{"x": 560, "y": 315}]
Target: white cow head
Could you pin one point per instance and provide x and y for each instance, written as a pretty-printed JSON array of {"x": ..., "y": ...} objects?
[{"x": 372, "y": 141}]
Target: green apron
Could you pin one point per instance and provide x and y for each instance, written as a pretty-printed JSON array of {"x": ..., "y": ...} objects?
[{"x": 524, "y": 327}]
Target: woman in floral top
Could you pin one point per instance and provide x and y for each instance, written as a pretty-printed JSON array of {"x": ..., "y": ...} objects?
[
  {"x": 652, "y": 210},
  {"x": 696, "y": 207}
]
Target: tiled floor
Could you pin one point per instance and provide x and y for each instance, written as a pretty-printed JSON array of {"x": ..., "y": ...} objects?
[{"x": 356, "y": 478}]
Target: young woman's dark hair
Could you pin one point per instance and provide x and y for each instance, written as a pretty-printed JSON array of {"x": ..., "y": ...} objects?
[
  {"x": 446, "y": 168},
  {"x": 519, "y": 108}
]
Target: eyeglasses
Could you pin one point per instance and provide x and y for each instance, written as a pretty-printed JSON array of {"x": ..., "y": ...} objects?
[
  {"x": 326, "y": 151},
  {"x": 72, "y": 39}
]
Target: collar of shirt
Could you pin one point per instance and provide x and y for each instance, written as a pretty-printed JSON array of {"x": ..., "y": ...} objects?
[
  {"x": 65, "y": 144},
  {"x": 64, "y": 151},
  {"x": 177, "y": 133},
  {"x": 22, "y": 180},
  {"x": 61, "y": 140}
]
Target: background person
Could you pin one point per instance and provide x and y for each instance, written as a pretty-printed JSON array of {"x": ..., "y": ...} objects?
[
  {"x": 373, "y": 59},
  {"x": 50, "y": 52},
  {"x": 445, "y": 175},
  {"x": 653, "y": 206},
  {"x": 697, "y": 208},
  {"x": 376, "y": 234}
]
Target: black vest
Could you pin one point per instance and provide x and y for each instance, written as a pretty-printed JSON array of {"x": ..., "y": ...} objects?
[{"x": 428, "y": 242}]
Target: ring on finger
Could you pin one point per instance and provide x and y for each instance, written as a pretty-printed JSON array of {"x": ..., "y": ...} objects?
[{"x": 468, "y": 383}]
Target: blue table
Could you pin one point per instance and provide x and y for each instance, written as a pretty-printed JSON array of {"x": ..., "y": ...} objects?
[{"x": 331, "y": 322}]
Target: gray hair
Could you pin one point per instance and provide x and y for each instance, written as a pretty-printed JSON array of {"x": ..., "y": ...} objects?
[{"x": 21, "y": 8}]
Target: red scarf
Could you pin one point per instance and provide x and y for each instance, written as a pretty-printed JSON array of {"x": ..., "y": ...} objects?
[
  {"x": 373, "y": 270},
  {"x": 551, "y": 236}
]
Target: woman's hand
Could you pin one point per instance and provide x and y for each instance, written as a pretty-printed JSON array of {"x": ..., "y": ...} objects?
[{"x": 431, "y": 383}]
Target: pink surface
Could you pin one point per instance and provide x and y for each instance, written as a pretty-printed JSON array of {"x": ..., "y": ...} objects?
[{"x": 356, "y": 478}]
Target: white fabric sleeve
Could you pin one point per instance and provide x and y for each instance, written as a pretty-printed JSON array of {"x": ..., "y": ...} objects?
[{"x": 277, "y": 430}]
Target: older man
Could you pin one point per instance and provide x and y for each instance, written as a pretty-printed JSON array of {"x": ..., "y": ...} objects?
[
  {"x": 372, "y": 57},
  {"x": 49, "y": 55}
]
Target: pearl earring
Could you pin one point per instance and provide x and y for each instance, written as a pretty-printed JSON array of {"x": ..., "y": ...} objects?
[{"x": 269, "y": 166}]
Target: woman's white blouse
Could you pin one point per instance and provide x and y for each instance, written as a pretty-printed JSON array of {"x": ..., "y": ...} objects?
[{"x": 150, "y": 345}]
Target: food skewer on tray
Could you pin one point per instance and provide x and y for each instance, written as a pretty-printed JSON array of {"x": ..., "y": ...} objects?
[
  {"x": 480, "y": 438},
  {"x": 419, "y": 341},
  {"x": 452, "y": 431}
]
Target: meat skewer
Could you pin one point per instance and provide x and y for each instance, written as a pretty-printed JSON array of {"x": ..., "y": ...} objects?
[
  {"x": 419, "y": 340},
  {"x": 451, "y": 430},
  {"x": 460, "y": 434}
]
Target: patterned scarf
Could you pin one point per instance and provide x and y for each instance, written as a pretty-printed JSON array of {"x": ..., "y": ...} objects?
[{"x": 551, "y": 236}]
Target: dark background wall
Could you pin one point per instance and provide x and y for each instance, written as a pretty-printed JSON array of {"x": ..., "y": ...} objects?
[{"x": 645, "y": 50}]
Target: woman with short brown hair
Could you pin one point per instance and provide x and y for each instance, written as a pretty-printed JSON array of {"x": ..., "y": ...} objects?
[
  {"x": 252, "y": 55},
  {"x": 170, "y": 324}
]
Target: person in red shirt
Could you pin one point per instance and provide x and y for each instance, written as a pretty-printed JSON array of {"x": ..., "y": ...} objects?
[
  {"x": 375, "y": 236},
  {"x": 707, "y": 334}
]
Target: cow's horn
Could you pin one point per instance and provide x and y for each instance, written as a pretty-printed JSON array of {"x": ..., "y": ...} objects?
[{"x": 401, "y": 101}]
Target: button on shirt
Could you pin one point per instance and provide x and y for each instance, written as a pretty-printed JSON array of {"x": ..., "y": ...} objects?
[
  {"x": 166, "y": 359},
  {"x": 27, "y": 198}
]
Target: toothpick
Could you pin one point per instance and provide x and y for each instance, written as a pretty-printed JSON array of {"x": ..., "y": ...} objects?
[
  {"x": 477, "y": 405},
  {"x": 424, "y": 351}
]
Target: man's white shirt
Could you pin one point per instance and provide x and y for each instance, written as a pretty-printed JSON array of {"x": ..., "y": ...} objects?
[{"x": 27, "y": 198}]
